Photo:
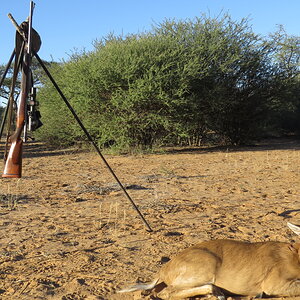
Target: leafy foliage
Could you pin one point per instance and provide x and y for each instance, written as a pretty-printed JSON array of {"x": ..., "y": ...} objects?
[{"x": 184, "y": 82}]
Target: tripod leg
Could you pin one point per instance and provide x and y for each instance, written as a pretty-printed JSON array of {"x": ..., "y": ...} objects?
[
  {"x": 92, "y": 141},
  {"x": 7, "y": 67},
  {"x": 1, "y": 82},
  {"x": 4, "y": 117}
]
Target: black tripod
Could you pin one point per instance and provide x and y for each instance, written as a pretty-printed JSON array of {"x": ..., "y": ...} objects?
[
  {"x": 91, "y": 140},
  {"x": 4, "y": 117},
  {"x": 34, "y": 53}
]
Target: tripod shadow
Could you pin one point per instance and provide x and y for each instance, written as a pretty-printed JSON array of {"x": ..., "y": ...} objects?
[{"x": 287, "y": 213}]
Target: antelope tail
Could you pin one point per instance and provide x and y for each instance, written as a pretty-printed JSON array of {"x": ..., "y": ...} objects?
[{"x": 140, "y": 286}]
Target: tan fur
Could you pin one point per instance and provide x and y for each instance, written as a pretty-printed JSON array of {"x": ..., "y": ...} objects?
[{"x": 230, "y": 267}]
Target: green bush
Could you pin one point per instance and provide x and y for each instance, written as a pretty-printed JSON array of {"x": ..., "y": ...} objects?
[{"x": 181, "y": 83}]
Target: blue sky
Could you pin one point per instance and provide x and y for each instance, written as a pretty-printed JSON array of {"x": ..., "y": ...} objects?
[{"x": 65, "y": 25}]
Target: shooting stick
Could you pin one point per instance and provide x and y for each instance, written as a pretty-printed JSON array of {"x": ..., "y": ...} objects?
[{"x": 91, "y": 140}]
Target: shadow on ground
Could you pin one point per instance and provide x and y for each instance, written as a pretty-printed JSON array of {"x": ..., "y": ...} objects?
[{"x": 39, "y": 149}]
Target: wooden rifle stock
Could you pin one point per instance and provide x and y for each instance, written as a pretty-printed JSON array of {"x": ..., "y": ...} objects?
[{"x": 13, "y": 163}]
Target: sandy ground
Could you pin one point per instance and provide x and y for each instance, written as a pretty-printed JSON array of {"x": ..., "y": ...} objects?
[{"x": 67, "y": 231}]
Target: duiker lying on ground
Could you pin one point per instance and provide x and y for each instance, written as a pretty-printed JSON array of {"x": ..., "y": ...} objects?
[{"x": 223, "y": 267}]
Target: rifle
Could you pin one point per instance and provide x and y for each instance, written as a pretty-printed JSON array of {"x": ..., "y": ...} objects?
[{"x": 31, "y": 42}]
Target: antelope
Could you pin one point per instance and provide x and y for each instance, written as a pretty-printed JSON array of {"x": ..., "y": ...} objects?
[{"x": 228, "y": 267}]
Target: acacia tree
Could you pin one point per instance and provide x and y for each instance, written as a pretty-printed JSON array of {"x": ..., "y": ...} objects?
[
  {"x": 182, "y": 82},
  {"x": 229, "y": 76},
  {"x": 285, "y": 105}
]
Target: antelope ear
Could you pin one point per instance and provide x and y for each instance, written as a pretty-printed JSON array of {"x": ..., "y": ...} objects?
[
  {"x": 295, "y": 248},
  {"x": 291, "y": 248},
  {"x": 294, "y": 228}
]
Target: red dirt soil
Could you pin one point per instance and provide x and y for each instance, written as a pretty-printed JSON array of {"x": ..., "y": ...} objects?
[{"x": 67, "y": 231}]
